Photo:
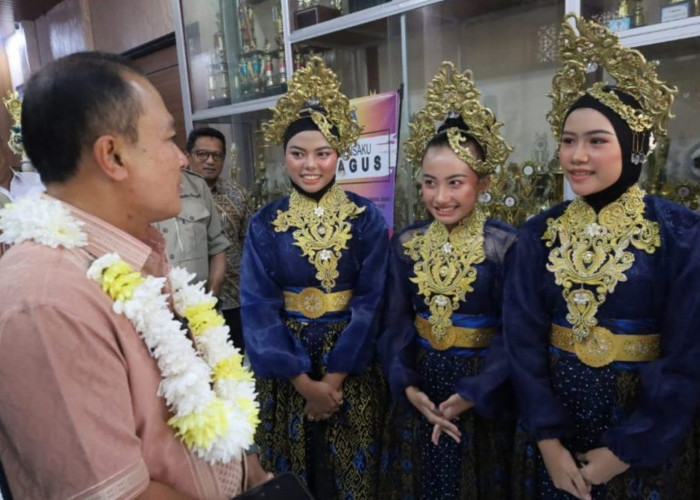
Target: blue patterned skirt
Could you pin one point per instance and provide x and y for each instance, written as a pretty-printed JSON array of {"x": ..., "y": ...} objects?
[
  {"x": 337, "y": 458},
  {"x": 598, "y": 399},
  {"x": 475, "y": 468}
]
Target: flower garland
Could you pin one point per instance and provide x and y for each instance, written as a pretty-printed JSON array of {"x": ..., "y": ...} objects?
[{"x": 208, "y": 390}]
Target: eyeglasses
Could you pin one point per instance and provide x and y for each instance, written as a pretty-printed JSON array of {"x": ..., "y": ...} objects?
[{"x": 203, "y": 155}]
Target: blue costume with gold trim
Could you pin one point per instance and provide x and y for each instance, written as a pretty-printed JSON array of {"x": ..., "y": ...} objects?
[
  {"x": 639, "y": 408},
  {"x": 478, "y": 466},
  {"x": 338, "y": 457}
]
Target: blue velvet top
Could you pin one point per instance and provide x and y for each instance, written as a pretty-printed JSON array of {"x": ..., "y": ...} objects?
[
  {"x": 272, "y": 264},
  {"x": 661, "y": 295},
  {"x": 481, "y": 309}
]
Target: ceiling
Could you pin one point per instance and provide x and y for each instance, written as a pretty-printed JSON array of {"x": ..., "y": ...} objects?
[{"x": 12, "y": 11}]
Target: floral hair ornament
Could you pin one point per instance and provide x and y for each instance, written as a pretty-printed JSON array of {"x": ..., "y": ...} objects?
[
  {"x": 595, "y": 46},
  {"x": 451, "y": 94},
  {"x": 314, "y": 91}
]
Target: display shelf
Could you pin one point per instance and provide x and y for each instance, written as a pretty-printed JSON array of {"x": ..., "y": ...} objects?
[
  {"x": 234, "y": 109},
  {"x": 662, "y": 32},
  {"x": 365, "y": 16},
  {"x": 509, "y": 45}
]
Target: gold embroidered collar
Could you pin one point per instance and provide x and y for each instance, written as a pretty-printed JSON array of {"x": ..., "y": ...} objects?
[
  {"x": 592, "y": 251},
  {"x": 444, "y": 266},
  {"x": 322, "y": 229}
]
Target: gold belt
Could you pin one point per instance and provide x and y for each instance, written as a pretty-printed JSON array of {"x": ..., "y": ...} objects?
[
  {"x": 313, "y": 303},
  {"x": 455, "y": 336},
  {"x": 601, "y": 346}
]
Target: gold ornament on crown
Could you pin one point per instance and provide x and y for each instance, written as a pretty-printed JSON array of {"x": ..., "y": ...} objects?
[
  {"x": 313, "y": 86},
  {"x": 595, "y": 46},
  {"x": 451, "y": 93},
  {"x": 13, "y": 104}
]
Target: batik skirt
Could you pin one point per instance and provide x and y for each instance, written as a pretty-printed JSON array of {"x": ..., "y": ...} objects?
[
  {"x": 598, "y": 399},
  {"x": 337, "y": 458},
  {"x": 476, "y": 468}
]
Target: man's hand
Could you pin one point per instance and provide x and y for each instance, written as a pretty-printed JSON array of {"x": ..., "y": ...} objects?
[
  {"x": 562, "y": 469},
  {"x": 601, "y": 465},
  {"x": 255, "y": 472},
  {"x": 217, "y": 273}
]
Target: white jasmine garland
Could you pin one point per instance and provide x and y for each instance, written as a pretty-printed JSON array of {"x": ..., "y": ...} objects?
[
  {"x": 209, "y": 392},
  {"x": 42, "y": 220}
]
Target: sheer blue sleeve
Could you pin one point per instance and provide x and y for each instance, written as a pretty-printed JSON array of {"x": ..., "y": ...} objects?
[
  {"x": 397, "y": 346},
  {"x": 670, "y": 388},
  {"x": 357, "y": 343},
  {"x": 526, "y": 326},
  {"x": 490, "y": 389},
  {"x": 273, "y": 351}
]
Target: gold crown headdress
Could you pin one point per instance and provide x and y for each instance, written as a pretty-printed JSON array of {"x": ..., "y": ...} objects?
[
  {"x": 13, "y": 104},
  {"x": 596, "y": 46},
  {"x": 313, "y": 86},
  {"x": 453, "y": 93}
]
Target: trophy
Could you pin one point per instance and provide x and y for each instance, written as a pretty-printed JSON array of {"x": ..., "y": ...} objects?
[
  {"x": 257, "y": 70},
  {"x": 623, "y": 20},
  {"x": 679, "y": 9},
  {"x": 282, "y": 69},
  {"x": 218, "y": 82},
  {"x": 310, "y": 12},
  {"x": 13, "y": 104},
  {"x": 246, "y": 24},
  {"x": 279, "y": 28},
  {"x": 638, "y": 13},
  {"x": 269, "y": 82},
  {"x": 249, "y": 80},
  {"x": 337, "y": 5}
]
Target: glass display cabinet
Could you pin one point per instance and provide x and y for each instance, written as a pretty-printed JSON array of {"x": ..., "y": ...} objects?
[{"x": 237, "y": 55}]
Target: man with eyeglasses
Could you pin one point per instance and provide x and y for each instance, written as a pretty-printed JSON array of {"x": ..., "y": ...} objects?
[
  {"x": 195, "y": 239},
  {"x": 206, "y": 148}
]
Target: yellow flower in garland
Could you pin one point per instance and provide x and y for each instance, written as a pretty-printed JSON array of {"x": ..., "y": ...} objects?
[
  {"x": 232, "y": 368},
  {"x": 119, "y": 281},
  {"x": 250, "y": 409},
  {"x": 217, "y": 416},
  {"x": 201, "y": 429},
  {"x": 202, "y": 316},
  {"x": 215, "y": 420}
]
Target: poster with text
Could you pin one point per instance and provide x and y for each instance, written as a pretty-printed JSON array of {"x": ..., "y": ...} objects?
[{"x": 370, "y": 171}]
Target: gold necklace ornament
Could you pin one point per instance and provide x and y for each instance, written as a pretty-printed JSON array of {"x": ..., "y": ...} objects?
[
  {"x": 590, "y": 250},
  {"x": 444, "y": 266},
  {"x": 322, "y": 229}
]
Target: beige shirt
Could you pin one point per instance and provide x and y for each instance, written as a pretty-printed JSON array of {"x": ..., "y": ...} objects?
[
  {"x": 79, "y": 412},
  {"x": 196, "y": 233}
]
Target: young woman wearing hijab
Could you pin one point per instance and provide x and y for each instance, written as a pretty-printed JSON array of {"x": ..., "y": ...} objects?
[
  {"x": 601, "y": 305},
  {"x": 441, "y": 347},
  {"x": 312, "y": 275}
]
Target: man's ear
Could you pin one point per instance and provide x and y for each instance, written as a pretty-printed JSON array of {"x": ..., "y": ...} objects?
[{"x": 106, "y": 151}]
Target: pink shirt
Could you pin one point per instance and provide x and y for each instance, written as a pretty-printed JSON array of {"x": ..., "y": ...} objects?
[{"x": 79, "y": 411}]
